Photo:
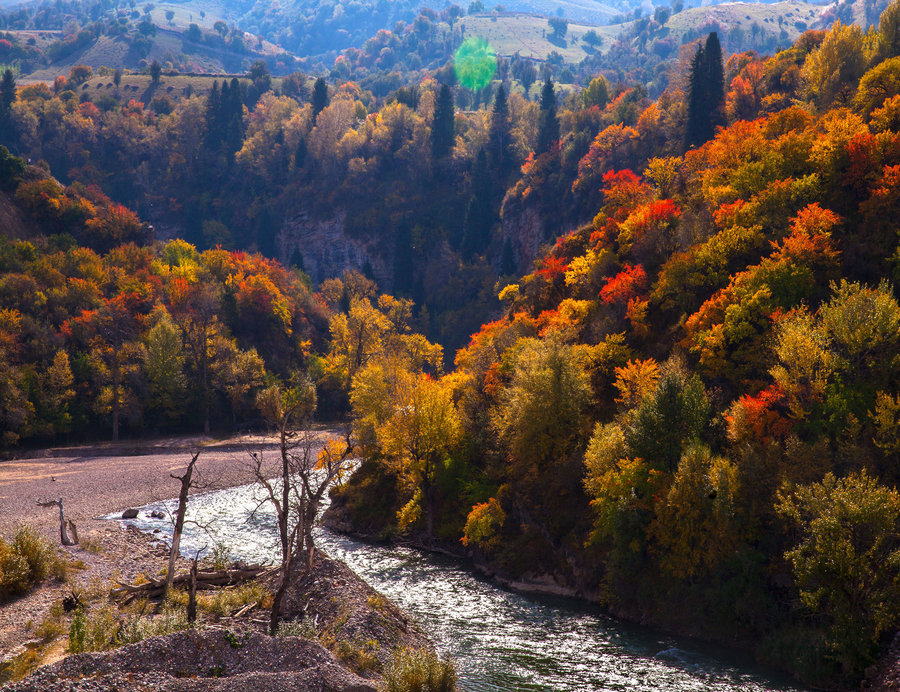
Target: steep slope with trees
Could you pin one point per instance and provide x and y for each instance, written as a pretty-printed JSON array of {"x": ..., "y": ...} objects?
[{"x": 688, "y": 412}]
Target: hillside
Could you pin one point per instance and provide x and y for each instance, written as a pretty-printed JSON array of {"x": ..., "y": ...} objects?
[
  {"x": 14, "y": 224},
  {"x": 531, "y": 36},
  {"x": 168, "y": 47},
  {"x": 785, "y": 20},
  {"x": 582, "y": 11}
]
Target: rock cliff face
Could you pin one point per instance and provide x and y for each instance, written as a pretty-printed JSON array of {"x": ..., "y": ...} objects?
[
  {"x": 13, "y": 223},
  {"x": 327, "y": 249},
  {"x": 525, "y": 231}
]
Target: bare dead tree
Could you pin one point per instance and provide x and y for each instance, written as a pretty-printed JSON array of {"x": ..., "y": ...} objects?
[
  {"x": 64, "y": 536},
  {"x": 186, "y": 484},
  {"x": 306, "y": 470}
]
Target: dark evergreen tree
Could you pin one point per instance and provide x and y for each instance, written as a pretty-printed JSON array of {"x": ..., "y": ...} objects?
[
  {"x": 500, "y": 137},
  {"x": 508, "y": 260},
  {"x": 233, "y": 112},
  {"x": 715, "y": 75},
  {"x": 300, "y": 154},
  {"x": 548, "y": 121},
  {"x": 297, "y": 260},
  {"x": 481, "y": 213},
  {"x": 706, "y": 93},
  {"x": 442, "y": 129},
  {"x": 404, "y": 266},
  {"x": 155, "y": 72},
  {"x": 697, "y": 123},
  {"x": 319, "y": 97},
  {"x": 7, "y": 96},
  {"x": 214, "y": 117}
]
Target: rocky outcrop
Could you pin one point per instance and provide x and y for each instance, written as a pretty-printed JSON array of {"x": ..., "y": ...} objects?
[
  {"x": 327, "y": 249},
  {"x": 13, "y": 223},
  {"x": 524, "y": 230},
  {"x": 344, "y": 608},
  {"x": 209, "y": 659}
]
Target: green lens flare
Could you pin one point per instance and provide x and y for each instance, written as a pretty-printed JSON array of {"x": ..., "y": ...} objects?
[{"x": 475, "y": 63}]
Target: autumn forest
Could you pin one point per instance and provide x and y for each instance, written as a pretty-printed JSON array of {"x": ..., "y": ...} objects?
[{"x": 639, "y": 342}]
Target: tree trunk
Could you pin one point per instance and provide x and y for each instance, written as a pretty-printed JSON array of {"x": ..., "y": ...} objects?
[
  {"x": 179, "y": 519},
  {"x": 277, "y": 599},
  {"x": 73, "y": 532},
  {"x": 428, "y": 496},
  {"x": 115, "y": 397},
  {"x": 284, "y": 578},
  {"x": 192, "y": 594},
  {"x": 204, "y": 376},
  {"x": 284, "y": 516},
  {"x": 63, "y": 534}
]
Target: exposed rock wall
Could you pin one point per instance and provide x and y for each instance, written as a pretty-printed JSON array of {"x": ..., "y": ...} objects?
[
  {"x": 13, "y": 223},
  {"x": 525, "y": 231},
  {"x": 327, "y": 249}
]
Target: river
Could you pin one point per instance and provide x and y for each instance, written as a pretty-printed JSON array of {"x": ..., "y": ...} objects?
[{"x": 499, "y": 640}]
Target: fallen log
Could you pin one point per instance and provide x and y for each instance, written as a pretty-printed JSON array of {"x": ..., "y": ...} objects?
[
  {"x": 246, "y": 609},
  {"x": 206, "y": 580}
]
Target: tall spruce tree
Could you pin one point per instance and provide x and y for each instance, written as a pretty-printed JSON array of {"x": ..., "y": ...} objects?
[
  {"x": 214, "y": 117},
  {"x": 499, "y": 146},
  {"x": 706, "y": 94},
  {"x": 404, "y": 264},
  {"x": 481, "y": 213},
  {"x": 233, "y": 117},
  {"x": 715, "y": 78},
  {"x": 548, "y": 121},
  {"x": 442, "y": 129},
  {"x": 319, "y": 97},
  {"x": 7, "y": 96}
]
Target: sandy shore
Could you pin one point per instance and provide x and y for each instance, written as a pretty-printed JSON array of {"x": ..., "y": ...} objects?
[{"x": 97, "y": 480}]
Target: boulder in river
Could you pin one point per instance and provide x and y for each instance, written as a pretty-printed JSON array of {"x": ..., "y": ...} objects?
[{"x": 130, "y": 514}]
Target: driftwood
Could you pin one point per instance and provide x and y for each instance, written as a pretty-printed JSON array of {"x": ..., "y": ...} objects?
[
  {"x": 206, "y": 579},
  {"x": 64, "y": 536}
]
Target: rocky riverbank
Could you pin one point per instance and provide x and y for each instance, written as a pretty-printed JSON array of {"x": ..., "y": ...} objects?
[
  {"x": 207, "y": 659},
  {"x": 349, "y": 631}
]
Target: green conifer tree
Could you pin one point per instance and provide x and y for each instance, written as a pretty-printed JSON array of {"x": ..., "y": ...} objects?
[
  {"x": 7, "y": 97},
  {"x": 319, "y": 97},
  {"x": 214, "y": 116},
  {"x": 500, "y": 154},
  {"x": 706, "y": 93},
  {"x": 548, "y": 123},
  {"x": 404, "y": 266},
  {"x": 442, "y": 129},
  {"x": 481, "y": 213}
]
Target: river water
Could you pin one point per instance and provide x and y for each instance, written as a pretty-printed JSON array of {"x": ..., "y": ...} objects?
[{"x": 499, "y": 640}]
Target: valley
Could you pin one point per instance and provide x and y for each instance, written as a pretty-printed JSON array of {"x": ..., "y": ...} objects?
[{"x": 599, "y": 305}]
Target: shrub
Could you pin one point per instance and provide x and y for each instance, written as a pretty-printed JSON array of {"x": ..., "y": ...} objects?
[
  {"x": 419, "y": 670},
  {"x": 304, "y": 628},
  {"x": 846, "y": 563},
  {"x": 38, "y": 554},
  {"x": 358, "y": 655},
  {"x": 109, "y": 627},
  {"x": 26, "y": 561},
  {"x": 78, "y": 632}
]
